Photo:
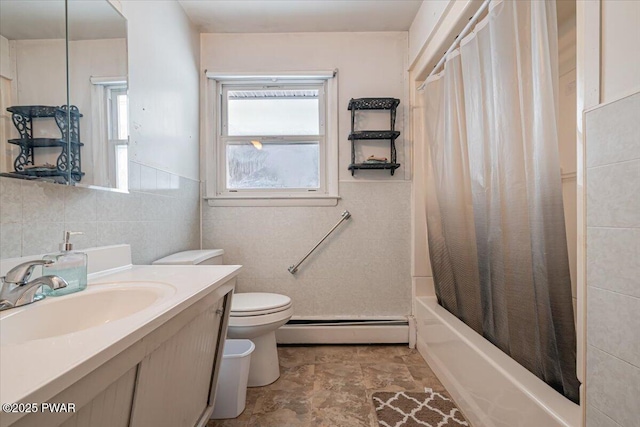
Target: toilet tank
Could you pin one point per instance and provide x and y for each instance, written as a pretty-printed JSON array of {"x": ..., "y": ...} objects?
[{"x": 196, "y": 257}]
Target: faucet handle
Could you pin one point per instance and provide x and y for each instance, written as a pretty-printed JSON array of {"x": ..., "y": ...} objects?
[{"x": 20, "y": 274}]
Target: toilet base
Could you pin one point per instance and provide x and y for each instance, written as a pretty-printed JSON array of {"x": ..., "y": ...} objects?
[{"x": 264, "y": 368}]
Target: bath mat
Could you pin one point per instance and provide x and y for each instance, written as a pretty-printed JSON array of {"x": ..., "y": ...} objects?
[{"x": 416, "y": 409}]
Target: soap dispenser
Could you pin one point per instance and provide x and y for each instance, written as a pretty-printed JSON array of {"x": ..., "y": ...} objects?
[{"x": 68, "y": 264}]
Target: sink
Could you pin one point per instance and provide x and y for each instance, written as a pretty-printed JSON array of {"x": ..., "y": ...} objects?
[{"x": 95, "y": 306}]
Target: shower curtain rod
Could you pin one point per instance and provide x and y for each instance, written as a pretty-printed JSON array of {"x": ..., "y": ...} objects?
[{"x": 456, "y": 42}]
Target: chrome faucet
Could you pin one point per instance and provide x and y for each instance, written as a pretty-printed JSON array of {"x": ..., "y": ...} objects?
[{"x": 16, "y": 289}]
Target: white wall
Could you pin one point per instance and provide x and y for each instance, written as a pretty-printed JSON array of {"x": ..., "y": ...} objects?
[
  {"x": 427, "y": 18},
  {"x": 620, "y": 49},
  {"x": 363, "y": 269},
  {"x": 369, "y": 64},
  {"x": 163, "y": 86},
  {"x": 41, "y": 80},
  {"x": 6, "y": 62}
]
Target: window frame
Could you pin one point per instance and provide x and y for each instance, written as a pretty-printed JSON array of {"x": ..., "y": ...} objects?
[
  {"x": 115, "y": 144},
  {"x": 103, "y": 90},
  {"x": 217, "y": 194}
]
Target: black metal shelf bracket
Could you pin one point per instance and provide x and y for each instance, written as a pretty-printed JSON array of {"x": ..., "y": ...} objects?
[
  {"x": 364, "y": 104},
  {"x": 67, "y": 119}
]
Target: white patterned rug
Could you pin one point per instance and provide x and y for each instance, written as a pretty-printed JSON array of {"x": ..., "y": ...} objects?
[{"x": 416, "y": 409}]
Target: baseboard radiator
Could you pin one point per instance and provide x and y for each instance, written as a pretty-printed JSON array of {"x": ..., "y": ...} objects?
[{"x": 344, "y": 331}]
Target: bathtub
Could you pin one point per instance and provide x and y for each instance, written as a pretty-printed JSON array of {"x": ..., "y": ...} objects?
[{"x": 490, "y": 388}]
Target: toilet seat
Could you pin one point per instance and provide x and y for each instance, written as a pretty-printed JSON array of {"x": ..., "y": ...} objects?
[
  {"x": 258, "y": 304},
  {"x": 262, "y": 320}
]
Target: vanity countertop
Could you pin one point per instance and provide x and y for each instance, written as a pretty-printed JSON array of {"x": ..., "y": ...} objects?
[{"x": 36, "y": 370}]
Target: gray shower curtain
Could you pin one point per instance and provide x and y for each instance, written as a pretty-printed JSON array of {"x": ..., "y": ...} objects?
[{"x": 495, "y": 218}]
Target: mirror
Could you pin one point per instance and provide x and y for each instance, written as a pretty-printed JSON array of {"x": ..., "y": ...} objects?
[{"x": 64, "y": 126}]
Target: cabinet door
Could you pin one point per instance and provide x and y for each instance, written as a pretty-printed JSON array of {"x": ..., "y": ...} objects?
[
  {"x": 174, "y": 381},
  {"x": 109, "y": 409}
]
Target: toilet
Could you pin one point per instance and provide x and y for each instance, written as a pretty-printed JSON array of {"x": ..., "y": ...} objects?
[{"x": 254, "y": 315}]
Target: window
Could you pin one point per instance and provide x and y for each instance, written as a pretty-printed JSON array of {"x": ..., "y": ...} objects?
[
  {"x": 118, "y": 134},
  {"x": 109, "y": 132},
  {"x": 273, "y": 139}
]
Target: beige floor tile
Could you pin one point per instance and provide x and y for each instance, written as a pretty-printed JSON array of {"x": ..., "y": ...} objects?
[
  {"x": 295, "y": 378},
  {"x": 338, "y": 376},
  {"x": 388, "y": 377},
  {"x": 341, "y": 409},
  {"x": 296, "y": 356},
  {"x": 282, "y": 408},
  {"x": 410, "y": 356},
  {"x": 378, "y": 354},
  {"x": 335, "y": 354},
  {"x": 425, "y": 377}
]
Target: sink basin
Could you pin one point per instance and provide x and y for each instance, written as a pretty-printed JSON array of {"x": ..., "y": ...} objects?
[{"x": 95, "y": 306}]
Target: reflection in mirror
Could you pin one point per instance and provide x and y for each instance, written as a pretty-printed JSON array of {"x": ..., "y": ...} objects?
[
  {"x": 98, "y": 88},
  {"x": 33, "y": 90},
  {"x": 40, "y": 138}
]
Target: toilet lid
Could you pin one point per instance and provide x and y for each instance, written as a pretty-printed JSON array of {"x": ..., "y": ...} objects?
[
  {"x": 189, "y": 257},
  {"x": 257, "y": 303}
]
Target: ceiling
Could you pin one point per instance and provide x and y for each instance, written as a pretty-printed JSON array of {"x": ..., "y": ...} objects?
[{"x": 292, "y": 16}]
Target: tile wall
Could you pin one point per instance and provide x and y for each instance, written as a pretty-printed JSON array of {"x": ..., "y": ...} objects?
[
  {"x": 613, "y": 263},
  {"x": 362, "y": 269},
  {"x": 158, "y": 217}
]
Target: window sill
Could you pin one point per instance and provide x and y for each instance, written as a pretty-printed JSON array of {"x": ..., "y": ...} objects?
[{"x": 273, "y": 201}]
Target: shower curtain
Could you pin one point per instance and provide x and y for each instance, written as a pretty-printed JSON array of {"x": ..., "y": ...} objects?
[{"x": 495, "y": 218}]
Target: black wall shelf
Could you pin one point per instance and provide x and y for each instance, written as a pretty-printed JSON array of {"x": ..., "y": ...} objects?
[
  {"x": 68, "y": 121},
  {"x": 363, "y": 104}
]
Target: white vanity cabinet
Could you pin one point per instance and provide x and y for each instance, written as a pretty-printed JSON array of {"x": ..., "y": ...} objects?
[
  {"x": 165, "y": 379},
  {"x": 175, "y": 382}
]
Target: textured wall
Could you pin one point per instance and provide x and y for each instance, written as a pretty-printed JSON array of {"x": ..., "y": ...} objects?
[
  {"x": 613, "y": 264},
  {"x": 363, "y": 269},
  {"x": 160, "y": 219}
]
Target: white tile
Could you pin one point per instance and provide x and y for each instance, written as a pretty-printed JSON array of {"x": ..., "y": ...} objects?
[
  {"x": 363, "y": 268},
  {"x": 10, "y": 239},
  {"x": 612, "y": 132},
  {"x": 112, "y": 233},
  {"x": 148, "y": 180},
  {"x": 139, "y": 234},
  {"x": 163, "y": 180},
  {"x": 134, "y": 175},
  {"x": 613, "y": 195},
  {"x": 114, "y": 206},
  {"x": 189, "y": 188},
  {"x": 613, "y": 259},
  {"x": 10, "y": 200},
  {"x": 80, "y": 204},
  {"x": 596, "y": 418},
  {"x": 43, "y": 202},
  {"x": 41, "y": 237},
  {"x": 613, "y": 387},
  {"x": 613, "y": 324},
  {"x": 154, "y": 207}
]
